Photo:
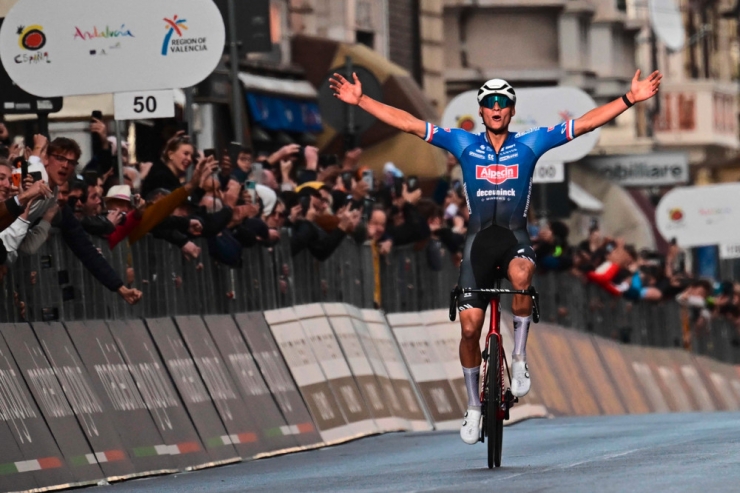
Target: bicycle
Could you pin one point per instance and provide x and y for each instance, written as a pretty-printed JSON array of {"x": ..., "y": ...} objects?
[{"x": 496, "y": 398}]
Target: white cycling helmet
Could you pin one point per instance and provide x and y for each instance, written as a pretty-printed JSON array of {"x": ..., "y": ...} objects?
[{"x": 496, "y": 86}]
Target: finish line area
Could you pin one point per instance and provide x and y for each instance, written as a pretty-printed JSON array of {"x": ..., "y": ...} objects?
[{"x": 651, "y": 452}]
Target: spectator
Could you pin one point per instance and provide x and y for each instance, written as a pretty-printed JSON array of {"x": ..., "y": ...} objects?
[
  {"x": 407, "y": 226},
  {"x": 380, "y": 245},
  {"x": 59, "y": 158},
  {"x": 307, "y": 235},
  {"x": 169, "y": 173},
  {"x": 243, "y": 169}
]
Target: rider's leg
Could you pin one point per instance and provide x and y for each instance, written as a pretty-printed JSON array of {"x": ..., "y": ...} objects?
[
  {"x": 521, "y": 271},
  {"x": 471, "y": 322}
]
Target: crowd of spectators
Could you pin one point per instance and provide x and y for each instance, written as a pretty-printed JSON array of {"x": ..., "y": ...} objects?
[
  {"x": 235, "y": 198},
  {"x": 637, "y": 276},
  {"x": 232, "y": 198}
]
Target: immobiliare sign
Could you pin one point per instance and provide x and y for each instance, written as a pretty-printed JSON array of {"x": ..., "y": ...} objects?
[{"x": 642, "y": 170}]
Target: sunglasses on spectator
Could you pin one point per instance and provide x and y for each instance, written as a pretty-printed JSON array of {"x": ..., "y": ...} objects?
[
  {"x": 491, "y": 100},
  {"x": 65, "y": 160}
]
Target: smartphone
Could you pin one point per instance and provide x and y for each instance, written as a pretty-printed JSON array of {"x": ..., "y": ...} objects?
[
  {"x": 305, "y": 201},
  {"x": 398, "y": 185},
  {"x": 36, "y": 175},
  {"x": 97, "y": 114},
  {"x": 209, "y": 152},
  {"x": 412, "y": 182},
  {"x": 347, "y": 180},
  {"x": 235, "y": 148},
  {"x": 251, "y": 188},
  {"x": 367, "y": 177},
  {"x": 367, "y": 208},
  {"x": 20, "y": 141},
  {"x": 24, "y": 169},
  {"x": 256, "y": 172}
]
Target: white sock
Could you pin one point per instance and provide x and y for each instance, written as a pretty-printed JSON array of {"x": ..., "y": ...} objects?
[
  {"x": 521, "y": 329},
  {"x": 472, "y": 378}
]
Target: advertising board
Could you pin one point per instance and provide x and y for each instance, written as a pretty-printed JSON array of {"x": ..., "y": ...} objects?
[
  {"x": 642, "y": 170},
  {"x": 74, "y": 47},
  {"x": 700, "y": 216}
]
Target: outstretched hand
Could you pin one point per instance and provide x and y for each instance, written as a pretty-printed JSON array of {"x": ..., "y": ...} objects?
[
  {"x": 345, "y": 90},
  {"x": 646, "y": 88}
]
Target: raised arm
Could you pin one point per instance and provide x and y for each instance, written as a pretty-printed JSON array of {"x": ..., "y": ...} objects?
[
  {"x": 640, "y": 90},
  {"x": 352, "y": 94}
]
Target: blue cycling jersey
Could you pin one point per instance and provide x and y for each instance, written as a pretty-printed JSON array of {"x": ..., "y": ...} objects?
[{"x": 498, "y": 186}]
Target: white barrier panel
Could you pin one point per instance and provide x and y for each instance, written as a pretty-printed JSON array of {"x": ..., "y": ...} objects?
[
  {"x": 334, "y": 365},
  {"x": 427, "y": 369},
  {"x": 445, "y": 336},
  {"x": 387, "y": 361},
  {"x": 308, "y": 375},
  {"x": 341, "y": 320}
]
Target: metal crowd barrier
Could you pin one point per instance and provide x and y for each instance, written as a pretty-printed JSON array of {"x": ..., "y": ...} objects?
[{"x": 53, "y": 285}]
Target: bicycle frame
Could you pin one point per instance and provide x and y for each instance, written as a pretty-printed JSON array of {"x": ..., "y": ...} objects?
[{"x": 494, "y": 330}]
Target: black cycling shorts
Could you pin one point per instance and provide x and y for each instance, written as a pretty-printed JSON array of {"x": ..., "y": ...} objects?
[{"x": 486, "y": 259}]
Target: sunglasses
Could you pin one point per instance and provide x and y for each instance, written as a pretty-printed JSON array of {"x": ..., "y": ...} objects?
[{"x": 491, "y": 100}]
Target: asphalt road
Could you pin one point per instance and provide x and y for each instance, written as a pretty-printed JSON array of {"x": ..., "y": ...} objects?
[{"x": 655, "y": 453}]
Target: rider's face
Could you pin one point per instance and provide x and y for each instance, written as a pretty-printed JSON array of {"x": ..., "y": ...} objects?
[{"x": 497, "y": 119}]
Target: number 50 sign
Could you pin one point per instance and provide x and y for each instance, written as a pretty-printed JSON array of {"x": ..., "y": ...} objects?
[{"x": 141, "y": 105}]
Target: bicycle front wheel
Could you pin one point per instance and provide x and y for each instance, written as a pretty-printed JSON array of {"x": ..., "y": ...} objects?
[{"x": 494, "y": 424}]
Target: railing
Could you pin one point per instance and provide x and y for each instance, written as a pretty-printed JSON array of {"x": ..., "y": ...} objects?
[{"x": 54, "y": 285}]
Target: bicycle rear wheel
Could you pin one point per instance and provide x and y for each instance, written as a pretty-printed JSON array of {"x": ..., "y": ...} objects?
[{"x": 494, "y": 425}]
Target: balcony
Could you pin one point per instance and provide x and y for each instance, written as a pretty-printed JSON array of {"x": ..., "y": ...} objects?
[{"x": 698, "y": 114}]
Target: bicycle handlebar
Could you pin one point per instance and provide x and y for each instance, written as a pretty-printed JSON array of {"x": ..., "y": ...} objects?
[
  {"x": 457, "y": 291},
  {"x": 525, "y": 292}
]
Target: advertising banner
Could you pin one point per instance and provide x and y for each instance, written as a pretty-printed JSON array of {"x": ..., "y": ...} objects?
[
  {"x": 275, "y": 372},
  {"x": 192, "y": 390},
  {"x": 73, "y": 47},
  {"x": 308, "y": 375},
  {"x": 32, "y": 458},
  {"x": 119, "y": 396},
  {"x": 428, "y": 370},
  {"x": 73, "y": 411},
  {"x": 642, "y": 170},
  {"x": 258, "y": 402},
  {"x": 344, "y": 330},
  {"x": 535, "y": 107},
  {"x": 700, "y": 216},
  {"x": 159, "y": 393},
  {"x": 377, "y": 338},
  {"x": 445, "y": 336},
  {"x": 239, "y": 422},
  {"x": 329, "y": 355}
]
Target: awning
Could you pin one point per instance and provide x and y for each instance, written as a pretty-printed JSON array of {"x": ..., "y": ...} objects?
[
  {"x": 282, "y": 87},
  {"x": 584, "y": 200},
  {"x": 279, "y": 113}
]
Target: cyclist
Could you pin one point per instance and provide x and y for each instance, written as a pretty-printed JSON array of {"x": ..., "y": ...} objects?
[{"x": 497, "y": 170}]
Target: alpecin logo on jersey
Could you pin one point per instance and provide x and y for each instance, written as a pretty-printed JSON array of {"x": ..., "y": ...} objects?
[{"x": 497, "y": 173}]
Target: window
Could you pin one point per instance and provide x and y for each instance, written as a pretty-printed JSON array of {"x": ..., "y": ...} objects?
[{"x": 366, "y": 38}]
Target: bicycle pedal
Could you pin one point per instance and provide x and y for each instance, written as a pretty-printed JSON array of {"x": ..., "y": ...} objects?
[{"x": 484, "y": 354}]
